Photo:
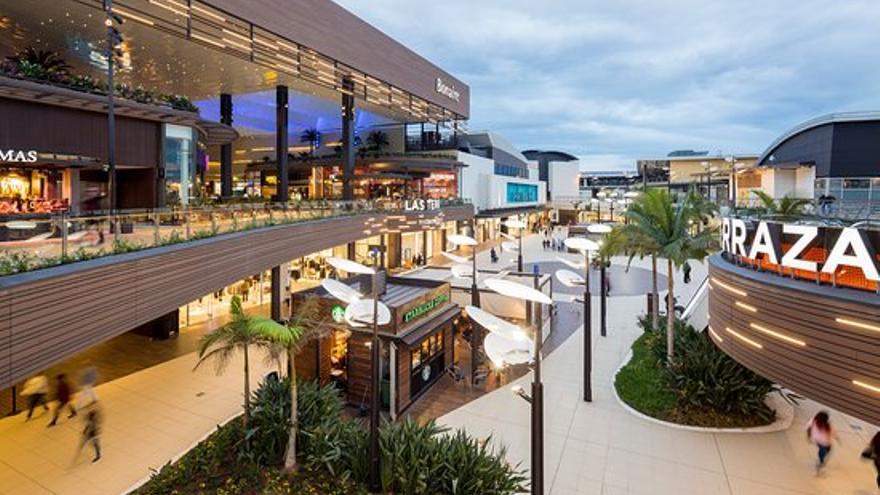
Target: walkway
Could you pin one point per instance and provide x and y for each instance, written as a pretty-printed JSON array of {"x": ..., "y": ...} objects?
[
  {"x": 150, "y": 417},
  {"x": 598, "y": 448}
]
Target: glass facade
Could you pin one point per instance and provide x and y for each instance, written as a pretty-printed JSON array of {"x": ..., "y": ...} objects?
[
  {"x": 849, "y": 189},
  {"x": 521, "y": 193},
  {"x": 180, "y": 164}
]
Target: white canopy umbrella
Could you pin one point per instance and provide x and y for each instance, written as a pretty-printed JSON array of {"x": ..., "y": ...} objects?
[
  {"x": 569, "y": 278},
  {"x": 461, "y": 240},
  {"x": 598, "y": 228},
  {"x": 507, "y": 236},
  {"x": 361, "y": 312},
  {"x": 517, "y": 290},
  {"x": 515, "y": 224},
  {"x": 503, "y": 351},
  {"x": 581, "y": 244},
  {"x": 495, "y": 324},
  {"x": 349, "y": 266},
  {"x": 341, "y": 291}
]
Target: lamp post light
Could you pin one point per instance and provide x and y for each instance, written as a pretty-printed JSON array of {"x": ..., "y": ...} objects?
[
  {"x": 463, "y": 240},
  {"x": 585, "y": 246},
  {"x": 530, "y": 295},
  {"x": 598, "y": 204},
  {"x": 359, "y": 313},
  {"x": 114, "y": 41},
  {"x": 602, "y": 229}
]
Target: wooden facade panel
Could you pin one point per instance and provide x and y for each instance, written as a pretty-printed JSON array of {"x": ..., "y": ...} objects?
[
  {"x": 51, "y": 314},
  {"x": 333, "y": 31},
  {"x": 833, "y": 356},
  {"x": 47, "y": 129}
]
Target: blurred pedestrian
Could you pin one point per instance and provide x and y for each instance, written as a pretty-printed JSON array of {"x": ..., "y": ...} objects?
[
  {"x": 36, "y": 389},
  {"x": 91, "y": 434},
  {"x": 87, "y": 396},
  {"x": 62, "y": 395},
  {"x": 872, "y": 452},
  {"x": 687, "y": 272},
  {"x": 820, "y": 433}
]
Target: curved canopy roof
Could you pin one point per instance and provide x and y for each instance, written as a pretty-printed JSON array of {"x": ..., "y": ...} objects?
[{"x": 831, "y": 118}]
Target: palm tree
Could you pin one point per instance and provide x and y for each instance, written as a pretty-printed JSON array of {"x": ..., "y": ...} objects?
[
  {"x": 667, "y": 225},
  {"x": 638, "y": 243},
  {"x": 311, "y": 136},
  {"x": 787, "y": 206},
  {"x": 50, "y": 62},
  {"x": 305, "y": 325},
  {"x": 243, "y": 332}
]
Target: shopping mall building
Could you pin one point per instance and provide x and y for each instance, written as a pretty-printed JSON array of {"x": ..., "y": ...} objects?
[
  {"x": 253, "y": 139},
  {"x": 797, "y": 299}
]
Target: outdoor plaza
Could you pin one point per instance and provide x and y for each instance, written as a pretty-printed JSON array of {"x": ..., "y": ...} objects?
[{"x": 155, "y": 415}]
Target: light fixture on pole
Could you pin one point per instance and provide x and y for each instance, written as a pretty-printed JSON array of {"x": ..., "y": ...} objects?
[
  {"x": 586, "y": 247},
  {"x": 114, "y": 43},
  {"x": 514, "y": 350},
  {"x": 361, "y": 312},
  {"x": 601, "y": 229},
  {"x": 459, "y": 271},
  {"x": 520, "y": 226}
]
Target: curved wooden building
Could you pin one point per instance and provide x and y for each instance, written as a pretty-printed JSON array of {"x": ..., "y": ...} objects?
[{"x": 820, "y": 341}]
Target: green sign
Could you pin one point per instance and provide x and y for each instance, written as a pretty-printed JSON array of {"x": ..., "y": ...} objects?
[
  {"x": 425, "y": 308},
  {"x": 338, "y": 313}
]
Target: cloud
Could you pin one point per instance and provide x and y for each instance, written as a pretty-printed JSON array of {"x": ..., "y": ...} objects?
[{"x": 620, "y": 80}]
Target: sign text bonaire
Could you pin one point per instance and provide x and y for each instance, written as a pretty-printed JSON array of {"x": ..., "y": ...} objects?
[{"x": 852, "y": 248}]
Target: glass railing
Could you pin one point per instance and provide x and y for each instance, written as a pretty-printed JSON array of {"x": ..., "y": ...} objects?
[{"x": 31, "y": 243}]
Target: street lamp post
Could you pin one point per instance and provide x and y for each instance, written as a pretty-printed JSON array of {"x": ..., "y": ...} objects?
[
  {"x": 603, "y": 290},
  {"x": 339, "y": 291},
  {"x": 530, "y": 295},
  {"x": 463, "y": 240},
  {"x": 520, "y": 226},
  {"x": 586, "y": 246}
]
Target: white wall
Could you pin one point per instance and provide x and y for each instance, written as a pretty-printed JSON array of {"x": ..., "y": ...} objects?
[
  {"x": 487, "y": 191},
  {"x": 562, "y": 179},
  {"x": 796, "y": 183}
]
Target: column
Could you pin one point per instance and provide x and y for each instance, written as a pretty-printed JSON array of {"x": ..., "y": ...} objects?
[
  {"x": 347, "y": 139},
  {"x": 276, "y": 300},
  {"x": 351, "y": 251},
  {"x": 281, "y": 99},
  {"x": 395, "y": 249},
  {"x": 226, "y": 149}
]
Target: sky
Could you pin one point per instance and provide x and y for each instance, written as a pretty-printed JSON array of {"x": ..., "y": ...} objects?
[{"x": 618, "y": 80}]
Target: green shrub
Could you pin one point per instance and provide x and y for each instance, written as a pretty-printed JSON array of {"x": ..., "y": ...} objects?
[
  {"x": 122, "y": 246},
  {"x": 702, "y": 385},
  {"x": 420, "y": 459},
  {"x": 267, "y": 433}
]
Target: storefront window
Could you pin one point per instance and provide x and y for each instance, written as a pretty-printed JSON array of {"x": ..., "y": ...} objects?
[
  {"x": 24, "y": 190},
  {"x": 427, "y": 360},
  {"x": 180, "y": 165}
]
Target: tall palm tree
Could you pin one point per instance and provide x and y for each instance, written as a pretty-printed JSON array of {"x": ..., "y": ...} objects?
[
  {"x": 668, "y": 226},
  {"x": 242, "y": 333},
  {"x": 639, "y": 243},
  {"x": 306, "y": 324},
  {"x": 311, "y": 136},
  {"x": 787, "y": 206}
]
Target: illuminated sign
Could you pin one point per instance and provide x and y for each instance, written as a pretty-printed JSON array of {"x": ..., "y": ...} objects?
[
  {"x": 852, "y": 247},
  {"x": 521, "y": 193},
  {"x": 447, "y": 90},
  {"x": 18, "y": 156},
  {"x": 425, "y": 308},
  {"x": 421, "y": 204},
  {"x": 338, "y": 313}
]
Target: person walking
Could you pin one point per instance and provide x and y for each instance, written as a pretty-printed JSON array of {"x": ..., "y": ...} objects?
[
  {"x": 62, "y": 395},
  {"x": 687, "y": 272},
  {"x": 36, "y": 389},
  {"x": 820, "y": 433},
  {"x": 872, "y": 452},
  {"x": 91, "y": 434},
  {"x": 87, "y": 396}
]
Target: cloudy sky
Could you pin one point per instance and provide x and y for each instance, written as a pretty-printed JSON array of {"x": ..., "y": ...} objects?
[{"x": 613, "y": 81}]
